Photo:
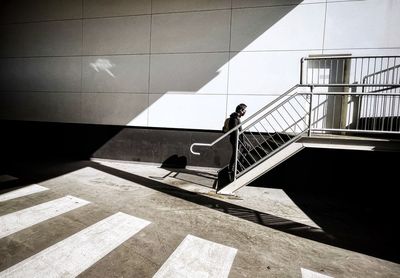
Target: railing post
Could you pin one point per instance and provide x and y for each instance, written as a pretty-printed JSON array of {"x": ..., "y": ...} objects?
[
  {"x": 236, "y": 155},
  {"x": 301, "y": 70},
  {"x": 310, "y": 111}
]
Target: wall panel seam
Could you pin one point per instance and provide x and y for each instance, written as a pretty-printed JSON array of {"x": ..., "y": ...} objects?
[{"x": 171, "y": 12}]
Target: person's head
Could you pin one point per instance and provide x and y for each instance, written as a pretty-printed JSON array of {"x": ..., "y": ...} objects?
[{"x": 241, "y": 109}]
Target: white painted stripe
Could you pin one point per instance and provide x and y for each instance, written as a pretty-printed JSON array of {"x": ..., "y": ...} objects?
[
  {"x": 16, "y": 221},
  {"x": 70, "y": 257},
  {"x": 28, "y": 190},
  {"x": 196, "y": 257},
  {"x": 305, "y": 273},
  {"x": 4, "y": 178}
]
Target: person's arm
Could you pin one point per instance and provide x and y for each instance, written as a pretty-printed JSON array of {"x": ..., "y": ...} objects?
[{"x": 232, "y": 123}]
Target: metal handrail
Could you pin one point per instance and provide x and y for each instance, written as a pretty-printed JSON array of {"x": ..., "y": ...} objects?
[
  {"x": 244, "y": 122},
  {"x": 288, "y": 133},
  {"x": 349, "y": 85},
  {"x": 347, "y": 69},
  {"x": 283, "y": 96},
  {"x": 283, "y": 128},
  {"x": 347, "y": 57},
  {"x": 381, "y": 71}
]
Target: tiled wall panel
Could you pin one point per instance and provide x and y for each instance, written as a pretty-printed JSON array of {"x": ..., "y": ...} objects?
[
  {"x": 175, "y": 64},
  {"x": 191, "y": 32},
  {"x": 120, "y": 73},
  {"x": 278, "y": 28},
  {"x": 267, "y": 73},
  {"x": 189, "y": 73},
  {"x": 363, "y": 24},
  {"x": 53, "y": 74},
  {"x": 10, "y": 106},
  {"x": 63, "y": 107},
  {"x": 12, "y": 11},
  {"x": 162, "y": 6},
  {"x": 54, "y": 38},
  {"x": 187, "y": 111},
  {"x": 114, "y": 108},
  {"x": 108, "y": 8},
  {"x": 269, "y": 3},
  {"x": 40, "y": 106},
  {"x": 120, "y": 35}
]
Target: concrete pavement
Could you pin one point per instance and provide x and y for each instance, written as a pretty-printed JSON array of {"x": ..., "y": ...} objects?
[{"x": 189, "y": 231}]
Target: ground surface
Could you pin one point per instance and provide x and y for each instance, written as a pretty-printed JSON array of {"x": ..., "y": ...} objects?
[{"x": 190, "y": 231}]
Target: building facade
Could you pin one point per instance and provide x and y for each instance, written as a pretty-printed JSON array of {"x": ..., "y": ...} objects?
[{"x": 161, "y": 74}]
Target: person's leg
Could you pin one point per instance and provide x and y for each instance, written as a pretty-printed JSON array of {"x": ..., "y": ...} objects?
[
  {"x": 232, "y": 161},
  {"x": 231, "y": 166},
  {"x": 241, "y": 159}
]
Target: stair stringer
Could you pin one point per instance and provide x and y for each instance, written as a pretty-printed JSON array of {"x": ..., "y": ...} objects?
[{"x": 261, "y": 169}]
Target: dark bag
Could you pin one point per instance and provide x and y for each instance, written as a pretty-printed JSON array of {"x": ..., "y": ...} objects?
[{"x": 225, "y": 128}]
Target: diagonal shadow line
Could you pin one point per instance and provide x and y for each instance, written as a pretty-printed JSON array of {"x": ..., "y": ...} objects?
[
  {"x": 204, "y": 77},
  {"x": 261, "y": 218}
]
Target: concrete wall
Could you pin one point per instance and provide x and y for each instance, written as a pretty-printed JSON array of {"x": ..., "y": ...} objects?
[
  {"x": 174, "y": 64},
  {"x": 30, "y": 141}
]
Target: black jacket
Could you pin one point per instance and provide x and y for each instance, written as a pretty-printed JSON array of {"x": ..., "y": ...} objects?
[{"x": 234, "y": 120}]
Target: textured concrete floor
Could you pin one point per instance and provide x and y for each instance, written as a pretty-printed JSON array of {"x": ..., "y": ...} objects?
[{"x": 273, "y": 235}]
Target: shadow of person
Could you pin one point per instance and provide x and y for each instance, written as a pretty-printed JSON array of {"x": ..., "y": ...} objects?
[
  {"x": 175, "y": 162},
  {"x": 176, "y": 165}
]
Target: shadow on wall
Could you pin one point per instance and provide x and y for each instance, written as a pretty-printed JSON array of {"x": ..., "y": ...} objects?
[
  {"x": 182, "y": 73},
  {"x": 169, "y": 74},
  {"x": 22, "y": 140}
]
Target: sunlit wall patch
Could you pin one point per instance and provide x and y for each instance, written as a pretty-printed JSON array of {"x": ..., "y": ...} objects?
[{"x": 103, "y": 65}]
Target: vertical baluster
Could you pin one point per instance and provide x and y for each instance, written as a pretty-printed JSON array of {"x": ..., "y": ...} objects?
[
  {"x": 310, "y": 111},
  {"x": 361, "y": 71},
  {"x": 318, "y": 72},
  {"x": 366, "y": 97},
  {"x": 385, "y": 97},
  {"x": 355, "y": 71},
  {"x": 337, "y": 71},
  {"x": 392, "y": 99},
  {"x": 312, "y": 70}
]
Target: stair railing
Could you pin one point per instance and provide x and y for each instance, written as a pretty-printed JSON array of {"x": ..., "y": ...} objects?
[
  {"x": 269, "y": 130},
  {"x": 334, "y": 79},
  {"x": 355, "y": 94},
  {"x": 252, "y": 118}
]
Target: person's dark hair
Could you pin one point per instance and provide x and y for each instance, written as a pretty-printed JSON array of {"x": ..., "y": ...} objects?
[{"x": 241, "y": 107}]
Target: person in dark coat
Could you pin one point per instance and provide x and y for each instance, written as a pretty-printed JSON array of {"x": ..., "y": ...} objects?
[{"x": 234, "y": 121}]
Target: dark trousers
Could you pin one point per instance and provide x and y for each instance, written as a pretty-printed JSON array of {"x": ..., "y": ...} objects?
[
  {"x": 232, "y": 161},
  {"x": 240, "y": 157}
]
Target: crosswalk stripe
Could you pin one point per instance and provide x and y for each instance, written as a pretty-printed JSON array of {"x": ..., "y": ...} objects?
[
  {"x": 197, "y": 257},
  {"x": 28, "y": 190},
  {"x": 16, "y": 221},
  {"x": 70, "y": 257},
  {"x": 5, "y": 178},
  {"x": 306, "y": 273}
]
